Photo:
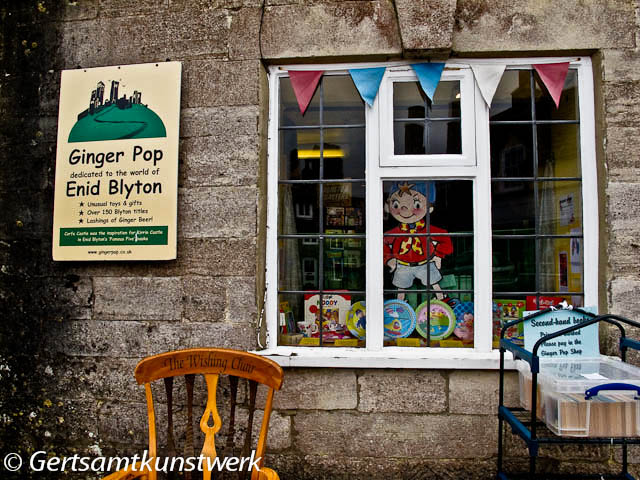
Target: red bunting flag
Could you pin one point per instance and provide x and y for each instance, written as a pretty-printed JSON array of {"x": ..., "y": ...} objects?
[
  {"x": 553, "y": 76},
  {"x": 304, "y": 85}
]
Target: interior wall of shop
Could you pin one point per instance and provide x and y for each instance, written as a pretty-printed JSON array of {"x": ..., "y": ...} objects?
[{"x": 71, "y": 333}]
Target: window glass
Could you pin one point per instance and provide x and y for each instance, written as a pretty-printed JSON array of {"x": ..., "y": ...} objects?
[
  {"x": 536, "y": 197},
  {"x": 290, "y": 112},
  {"x": 567, "y": 109},
  {"x": 512, "y": 100},
  {"x": 321, "y": 222},
  {"x": 428, "y": 259},
  {"x": 422, "y": 126}
]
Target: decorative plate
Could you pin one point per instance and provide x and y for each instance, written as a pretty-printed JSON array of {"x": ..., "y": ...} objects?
[
  {"x": 399, "y": 319},
  {"x": 443, "y": 320},
  {"x": 357, "y": 320}
]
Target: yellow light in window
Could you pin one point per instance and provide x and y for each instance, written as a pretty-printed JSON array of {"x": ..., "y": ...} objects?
[
  {"x": 326, "y": 153},
  {"x": 458, "y": 95}
]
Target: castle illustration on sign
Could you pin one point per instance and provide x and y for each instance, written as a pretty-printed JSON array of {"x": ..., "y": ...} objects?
[{"x": 116, "y": 118}]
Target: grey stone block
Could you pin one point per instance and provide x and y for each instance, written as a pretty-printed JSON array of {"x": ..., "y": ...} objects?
[
  {"x": 123, "y": 8},
  {"x": 242, "y": 306},
  {"x": 401, "y": 435},
  {"x": 426, "y": 24},
  {"x": 216, "y": 257},
  {"x": 209, "y": 83},
  {"x": 475, "y": 392},
  {"x": 620, "y": 65},
  {"x": 144, "y": 38},
  {"x": 138, "y": 298},
  {"x": 244, "y": 38},
  {"x": 71, "y": 297},
  {"x": 491, "y": 25},
  {"x": 316, "y": 389},
  {"x": 219, "y": 122},
  {"x": 415, "y": 391},
  {"x": 205, "y": 299},
  {"x": 366, "y": 467},
  {"x": 218, "y": 212},
  {"x": 128, "y": 339},
  {"x": 346, "y": 28},
  {"x": 227, "y": 159},
  {"x": 621, "y": 153}
]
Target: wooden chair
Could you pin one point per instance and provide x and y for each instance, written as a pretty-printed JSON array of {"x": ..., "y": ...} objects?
[{"x": 210, "y": 362}]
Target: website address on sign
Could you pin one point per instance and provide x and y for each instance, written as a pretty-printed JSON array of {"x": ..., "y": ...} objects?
[{"x": 41, "y": 462}]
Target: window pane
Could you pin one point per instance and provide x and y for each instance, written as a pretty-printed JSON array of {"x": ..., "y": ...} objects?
[
  {"x": 342, "y": 102},
  {"x": 561, "y": 264},
  {"x": 428, "y": 257},
  {"x": 512, "y": 100},
  {"x": 340, "y": 322},
  {"x": 299, "y": 209},
  {"x": 568, "y": 107},
  {"x": 425, "y": 127},
  {"x": 344, "y": 263},
  {"x": 290, "y": 111},
  {"x": 514, "y": 265},
  {"x": 298, "y": 264},
  {"x": 299, "y": 154},
  {"x": 344, "y": 208},
  {"x": 511, "y": 150},
  {"x": 427, "y": 137},
  {"x": 513, "y": 207},
  {"x": 344, "y": 153},
  {"x": 559, "y": 208},
  {"x": 341, "y": 150},
  {"x": 558, "y": 150},
  {"x": 409, "y": 101}
]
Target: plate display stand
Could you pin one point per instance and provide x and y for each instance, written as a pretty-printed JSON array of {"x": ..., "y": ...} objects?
[{"x": 525, "y": 425}]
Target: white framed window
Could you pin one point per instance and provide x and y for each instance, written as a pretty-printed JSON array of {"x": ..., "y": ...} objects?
[
  {"x": 493, "y": 198},
  {"x": 438, "y": 132}
]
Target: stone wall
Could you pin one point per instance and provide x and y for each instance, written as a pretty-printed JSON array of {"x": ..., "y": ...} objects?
[{"x": 71, "y": 333}]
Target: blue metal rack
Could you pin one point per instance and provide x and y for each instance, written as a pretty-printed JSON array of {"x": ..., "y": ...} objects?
[{"x": 527, "y": 430}]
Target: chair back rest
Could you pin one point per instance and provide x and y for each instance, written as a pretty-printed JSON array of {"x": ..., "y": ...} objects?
[{"x": 211, "y": 363}]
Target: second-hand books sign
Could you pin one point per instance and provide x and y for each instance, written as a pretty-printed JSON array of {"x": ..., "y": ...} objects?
[{"x": 116, "y": 184}]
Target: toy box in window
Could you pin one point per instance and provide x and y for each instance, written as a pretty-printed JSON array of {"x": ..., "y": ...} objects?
[
  {"x": 335, "y": 308},
  {"x": 505, "y": 311}
]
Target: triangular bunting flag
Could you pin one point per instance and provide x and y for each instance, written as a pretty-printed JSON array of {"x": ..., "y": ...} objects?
[
  {"x": 304, "y": 85},
  {"x": 553, "y": 76},
  {"x": 488, "y": 77},
  {"x": 367, "y": 81},
  {"x": 429, "y": 76}
]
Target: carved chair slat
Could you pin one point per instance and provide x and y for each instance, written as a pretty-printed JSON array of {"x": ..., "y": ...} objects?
[{"x": 189, "y": 449}]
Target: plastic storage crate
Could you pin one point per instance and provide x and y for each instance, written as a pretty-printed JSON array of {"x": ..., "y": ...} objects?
[{"x": 594, "y": 397}]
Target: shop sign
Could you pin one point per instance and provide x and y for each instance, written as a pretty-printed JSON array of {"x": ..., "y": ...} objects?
[{"x": 116, "y": 183}]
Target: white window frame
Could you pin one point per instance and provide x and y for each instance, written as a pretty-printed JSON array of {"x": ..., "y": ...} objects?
[
  {"x": 374, "y": 355},
  {"x": 405, "y": 73}
]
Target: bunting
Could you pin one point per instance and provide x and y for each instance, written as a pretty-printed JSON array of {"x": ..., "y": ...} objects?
[
  {"x": 429, "y": 76},
  {"x": 488, "y": 77},
  {"x": 367, "y": 81},
  {"x": 304, "y": 85},
  {"x": 553, "y": 76}
]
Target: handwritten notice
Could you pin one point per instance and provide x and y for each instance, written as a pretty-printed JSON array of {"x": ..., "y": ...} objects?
[{"x": 579, "y": 343}]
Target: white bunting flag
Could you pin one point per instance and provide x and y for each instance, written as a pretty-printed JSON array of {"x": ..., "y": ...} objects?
[{"x": 488, "y": 77}]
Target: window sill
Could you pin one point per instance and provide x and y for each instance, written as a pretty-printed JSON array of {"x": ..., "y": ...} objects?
[{"x": 390, "y": 357}]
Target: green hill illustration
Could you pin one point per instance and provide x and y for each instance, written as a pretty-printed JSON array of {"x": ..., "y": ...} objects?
[{"x": 116, "y": 118}]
